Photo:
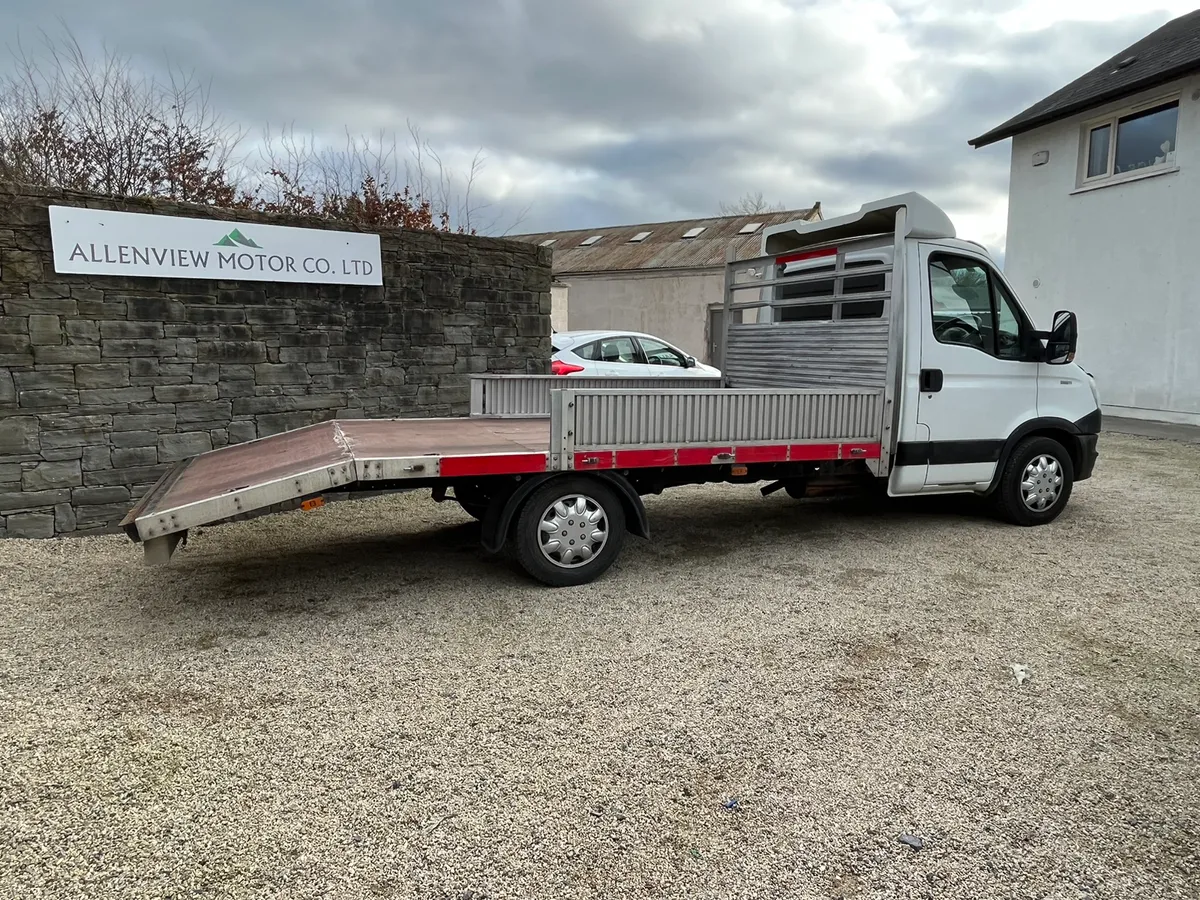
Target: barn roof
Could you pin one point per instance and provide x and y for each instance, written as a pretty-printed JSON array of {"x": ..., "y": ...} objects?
[{"x": 662, "y": 245}]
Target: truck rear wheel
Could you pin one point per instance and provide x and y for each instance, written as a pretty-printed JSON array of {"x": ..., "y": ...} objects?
[
  {"x": 1036, "y": 483},
  {"x": 569, "y": 531}
]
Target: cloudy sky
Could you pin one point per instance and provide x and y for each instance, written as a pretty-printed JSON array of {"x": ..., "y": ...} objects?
[{"x": 601, "y": 112}]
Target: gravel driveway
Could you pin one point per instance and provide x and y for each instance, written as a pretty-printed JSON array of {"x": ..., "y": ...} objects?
[{"x": 355, "y": 703}]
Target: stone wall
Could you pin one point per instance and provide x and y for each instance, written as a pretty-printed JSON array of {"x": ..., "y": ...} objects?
[{"x": 106, "y": 381}]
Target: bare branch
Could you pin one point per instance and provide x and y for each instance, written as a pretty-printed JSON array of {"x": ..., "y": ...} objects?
[
  {"x": 749, "y": 204},
  {"x": 97, "y": 124}
]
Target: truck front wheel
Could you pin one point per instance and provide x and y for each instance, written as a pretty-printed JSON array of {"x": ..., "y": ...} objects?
[
  {"x": 569, "y": 531},
  {"x": 1036, "y": 483}
]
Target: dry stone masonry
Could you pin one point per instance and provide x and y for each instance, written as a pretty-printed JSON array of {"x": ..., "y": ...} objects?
[{"x": 106, "y": 381}]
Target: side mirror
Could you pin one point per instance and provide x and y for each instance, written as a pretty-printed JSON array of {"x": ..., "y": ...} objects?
[
  {"x": 689, "y": 362},
  {"x": 1064, "y": 337}
]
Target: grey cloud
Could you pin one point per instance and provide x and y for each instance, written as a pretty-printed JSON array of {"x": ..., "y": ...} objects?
[{"x": 689, "y": 119}]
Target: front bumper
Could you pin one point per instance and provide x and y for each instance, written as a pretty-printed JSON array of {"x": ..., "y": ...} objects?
[{"x": 1087, "y": 456}]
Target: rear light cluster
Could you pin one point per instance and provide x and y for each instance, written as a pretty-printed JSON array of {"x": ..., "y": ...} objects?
[{"x": 558, "y": 367}]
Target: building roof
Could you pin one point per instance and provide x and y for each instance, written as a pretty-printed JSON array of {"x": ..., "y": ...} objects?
[
  {"x": 1161, "y": 56},
  {"x": 662, "y": 245}
]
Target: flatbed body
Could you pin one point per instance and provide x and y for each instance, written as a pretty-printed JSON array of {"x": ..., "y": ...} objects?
[{"x": 243, "y": 479}]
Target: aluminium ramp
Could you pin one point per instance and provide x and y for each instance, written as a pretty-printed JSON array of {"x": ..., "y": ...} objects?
[{"x": 253, "y": 477}]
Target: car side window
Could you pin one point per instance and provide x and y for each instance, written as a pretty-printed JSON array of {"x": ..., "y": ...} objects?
[
  {"x": 972, "y": 308},
  {"x": 618, "y": 350},
  {"x": 659, "y": 354},
  {"x": 588, "y": 351}
]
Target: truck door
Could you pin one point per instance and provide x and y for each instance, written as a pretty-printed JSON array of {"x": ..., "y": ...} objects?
[{"x": 978, "y": 377}]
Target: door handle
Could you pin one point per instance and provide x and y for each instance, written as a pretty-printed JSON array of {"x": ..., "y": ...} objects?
[{"x": 931, "y": 381}]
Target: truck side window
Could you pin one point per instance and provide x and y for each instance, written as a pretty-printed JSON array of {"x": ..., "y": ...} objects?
[
  {"x": 972, "y": 308},
  {"x": 1009, "y": 333}
]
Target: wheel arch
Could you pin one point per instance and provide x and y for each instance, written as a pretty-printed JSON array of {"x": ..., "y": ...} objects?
[
  {"x": 499, "y": 519},
  {"x": 1065, "y": 432}
]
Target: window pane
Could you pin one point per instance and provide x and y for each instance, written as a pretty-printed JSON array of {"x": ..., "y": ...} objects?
[
  {"x": 618, "y": 350},
  {"x": 1009, "y": 344},
  {"x": 588, "y": 351},
  {"x": 1098, "y": 152},
  {"x": 1147, "y": 139},
  {"x": 659, "y": 354},
  {"x": 962, "y": 303}
]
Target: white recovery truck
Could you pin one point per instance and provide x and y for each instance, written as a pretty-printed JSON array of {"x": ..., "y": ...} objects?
[{"x": 874, "y": 348}]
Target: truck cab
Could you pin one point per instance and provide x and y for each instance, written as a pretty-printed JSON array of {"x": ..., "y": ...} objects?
[
  {"x": 976, "y": 391},
  {"x": 982, "y": 376}
]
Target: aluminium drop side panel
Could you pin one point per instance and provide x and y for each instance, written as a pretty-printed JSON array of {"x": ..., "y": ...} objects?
[
  {"x": 605, "y": 420},
  {"x": 526, "y": 396},
  {"x": 478, "y": 396}
]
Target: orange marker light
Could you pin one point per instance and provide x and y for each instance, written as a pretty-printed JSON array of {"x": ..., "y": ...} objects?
[{"x": 314, "y": 503}]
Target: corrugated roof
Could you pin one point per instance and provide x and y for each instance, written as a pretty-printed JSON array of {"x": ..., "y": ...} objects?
[
  {"x": 665, "y": 247},
  {"x": 1161, "y": 56}
]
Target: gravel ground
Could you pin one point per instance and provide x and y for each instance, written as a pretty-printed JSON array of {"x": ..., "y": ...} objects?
[{"x": 356, "y": 703}]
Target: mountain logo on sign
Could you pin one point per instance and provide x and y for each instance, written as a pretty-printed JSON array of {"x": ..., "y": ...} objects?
[{"x": 236, "y": 239}]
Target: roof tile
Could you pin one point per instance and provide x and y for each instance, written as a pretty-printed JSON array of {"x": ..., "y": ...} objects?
[
  {"x": 665, "y": 247},
  {"x": 1161, "y": 56}
]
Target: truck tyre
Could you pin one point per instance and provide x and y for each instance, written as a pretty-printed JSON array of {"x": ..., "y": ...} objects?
[
  {"x": 569, "y": 531},
  {"x": 1036, "y": 483}
]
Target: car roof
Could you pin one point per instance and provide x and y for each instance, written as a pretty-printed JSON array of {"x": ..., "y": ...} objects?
[{"x": 577, "y": 336}]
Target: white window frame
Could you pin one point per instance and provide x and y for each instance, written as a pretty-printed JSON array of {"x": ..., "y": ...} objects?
[{"x": 1112, "y": 119}]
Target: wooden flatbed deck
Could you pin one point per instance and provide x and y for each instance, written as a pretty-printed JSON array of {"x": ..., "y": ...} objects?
[{"x": 241, "y": 478}]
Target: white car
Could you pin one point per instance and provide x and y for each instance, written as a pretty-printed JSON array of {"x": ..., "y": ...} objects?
[{"x": 622, "y": 353}]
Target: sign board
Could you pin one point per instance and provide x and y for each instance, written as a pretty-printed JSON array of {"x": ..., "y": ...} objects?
[{"x": 103, "y": 242}]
